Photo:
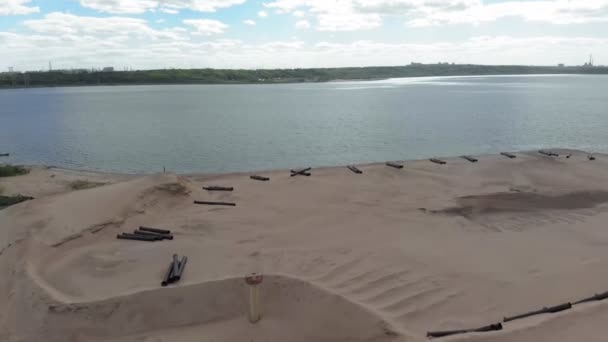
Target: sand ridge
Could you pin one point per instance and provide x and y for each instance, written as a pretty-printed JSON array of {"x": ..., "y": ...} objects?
[{"x": 397, "y": 252}]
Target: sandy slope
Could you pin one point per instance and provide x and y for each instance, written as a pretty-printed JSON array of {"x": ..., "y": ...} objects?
[
  {"x": 44, "y": 181},
  {"x": 386, "y": 255}
]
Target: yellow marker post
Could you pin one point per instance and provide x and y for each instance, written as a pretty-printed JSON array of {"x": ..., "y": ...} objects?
[{"x": 254, "y": 281}]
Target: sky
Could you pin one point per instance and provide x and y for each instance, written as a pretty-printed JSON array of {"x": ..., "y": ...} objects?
[{"x": 253, "y": 34}]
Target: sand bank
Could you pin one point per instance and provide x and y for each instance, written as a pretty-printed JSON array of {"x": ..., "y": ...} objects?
[{"x": 385, "y": 255}]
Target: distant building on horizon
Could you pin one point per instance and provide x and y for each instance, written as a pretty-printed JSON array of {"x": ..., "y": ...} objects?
[
  {"x": 108, "y": 69},
  {"x": 590, "y": 63}
]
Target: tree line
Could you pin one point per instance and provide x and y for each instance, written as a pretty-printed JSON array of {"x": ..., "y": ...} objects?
[{"x": 223, "y": 76}]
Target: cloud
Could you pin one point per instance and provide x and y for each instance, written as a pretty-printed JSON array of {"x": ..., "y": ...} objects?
[
  {"x": 298, "y": 14},
  {"x": 206, "y": 27},
  {"x": 335, "y": 15},
  {"x": 64, "y": 26},
  {"x": 83, "y": 42},
  {"x": 249, "y": 22},
  {"x": 302, "y": 24},
  {"x": 17, "y": 7},
  {"x": 169, "y": 10},
  {"x": 167, "y": 6},
  {"x": 396, "y": 7},
  {"x": 548, "y": 11},
  {"x": 121, "y": 6},
  {"x": 351, "y": 15},
  {"x": 262, "y": 14}
]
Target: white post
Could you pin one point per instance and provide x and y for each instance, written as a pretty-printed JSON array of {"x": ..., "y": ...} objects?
[{"x": 254, "y": 281}]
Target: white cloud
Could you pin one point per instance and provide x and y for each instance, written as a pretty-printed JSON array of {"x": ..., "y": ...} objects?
[
  {"x": 120, "y": 6},
  {"x": 74, "y": 42},
  {"x": 335, "y": 15},
  {"x": 349, "y": 15},
  {"x": 262, "y": 14},
  {"x": 169, "y": 10},
  {"x": 302, "y": 24},
  {"x": 167, "y": 6},
  {"x": 428, "y": 13},
  {"x": 14, "y": 7},
  {"x": 64, "y": 25},
  {"x": 298, "y": 14},
  {"x": 206, "y": 27},
  {"x": 249, "y": 22}
]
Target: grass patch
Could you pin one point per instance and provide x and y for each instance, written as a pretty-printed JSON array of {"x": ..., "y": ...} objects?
[
  {"x": 84, "y": 184},
  {"x": 12, "y": 170},
  {"x": 6, "y": 201}
]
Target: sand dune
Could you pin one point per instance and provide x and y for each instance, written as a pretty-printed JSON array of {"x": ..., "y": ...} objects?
[
  {"x": 292, "y": 308},
  {"x": 385, "y": 255}
]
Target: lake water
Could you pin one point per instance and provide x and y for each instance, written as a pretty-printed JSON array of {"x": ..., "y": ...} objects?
[{"x": 226, "y": 128}]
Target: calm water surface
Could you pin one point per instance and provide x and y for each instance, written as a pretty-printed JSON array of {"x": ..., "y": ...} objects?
[{"x": 226, "y": 128}]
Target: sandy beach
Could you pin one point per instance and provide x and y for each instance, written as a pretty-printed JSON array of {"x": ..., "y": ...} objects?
[{"x": 386, "y": 255}]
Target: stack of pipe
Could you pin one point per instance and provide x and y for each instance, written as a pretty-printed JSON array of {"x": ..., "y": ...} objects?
[
  {"x": 175, "y": 271},
  {"x": 147, "y": 234}
]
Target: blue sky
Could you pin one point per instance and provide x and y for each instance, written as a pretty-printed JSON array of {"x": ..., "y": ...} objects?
[{"x": 147, "y": 34}]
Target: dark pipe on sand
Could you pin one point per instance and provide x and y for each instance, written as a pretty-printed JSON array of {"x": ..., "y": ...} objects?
[
  {"x": 354, "y": 169},
  {"x": 175, "y": 264},
  {"x": 260, "y": 178},
  {"x": 548, "y": 153},
  {"x": 551, "y": 309},
  {"x": 157, "y": 235},
  {"x": 180, "y": 271},
  {"x": 218, "y": 188},
  {"x": 491, "y": 327},
  {"x": 126, "y": 236},
  {"x": 395, "y": 165},
  {"x": 215, "y": 203},
  {"x": 168, "y": 279},
  {"x": 155, "y": 230},
  {"x": 303, "y": 172},
  {"x": 596, "y": 297}
]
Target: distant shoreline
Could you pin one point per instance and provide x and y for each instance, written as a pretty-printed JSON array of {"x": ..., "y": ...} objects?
[
  {"x": 561, "y": 151},
  {"x": 75, "y": 78}
]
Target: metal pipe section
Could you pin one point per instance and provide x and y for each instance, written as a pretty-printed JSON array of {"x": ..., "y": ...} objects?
[
  {"x": 594, "y": 298},
  {"x": 168, "y": 279},
  {"x": 157, "y": 235},
  {"x": 155, "y": 230},
  {"x": 354, "y": 169},
  {"x": 302, "y": 172},
  {"x": 551, "y": 309},
  {"x": 548, "y": 153},
  {"x": 216, "y": 203},
  {"x": 175, "y": 268},
  {"x": 180, "y": 270},
  {"x": 395, "y": 165},
  {"x": 491, "y": 327},
  {"x": 126, "y": 236},
  {"x": 218, "y": 188}
]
